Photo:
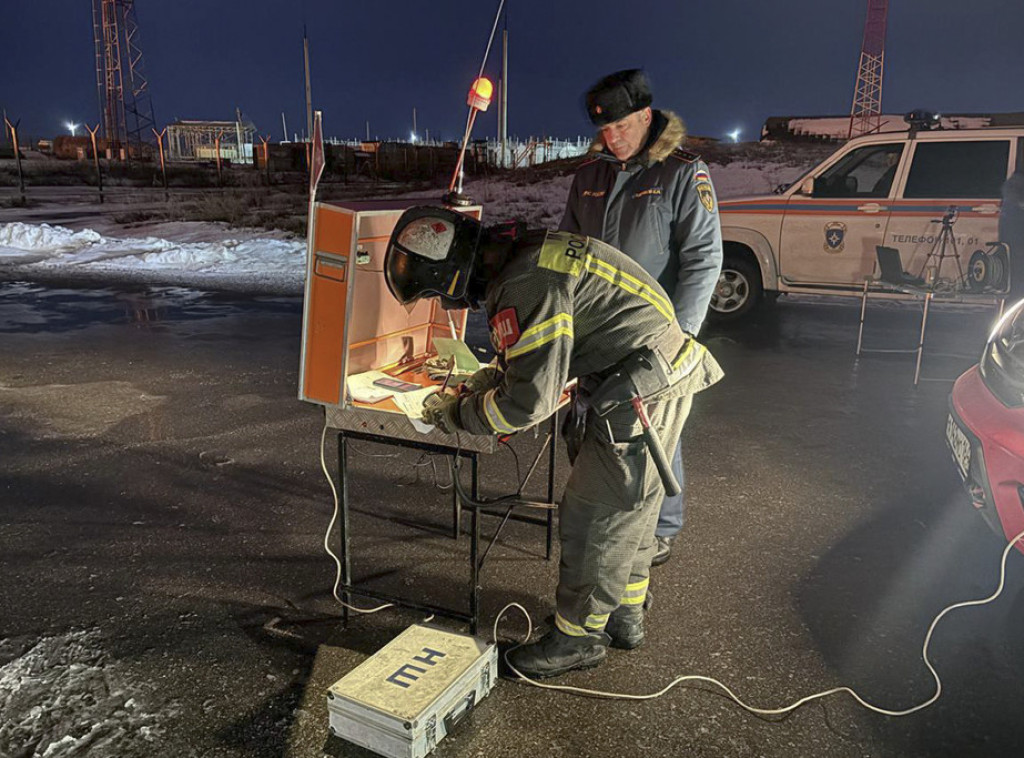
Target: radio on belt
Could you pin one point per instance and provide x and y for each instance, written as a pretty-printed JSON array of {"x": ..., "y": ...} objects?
[{"x": 412, "y": 692}]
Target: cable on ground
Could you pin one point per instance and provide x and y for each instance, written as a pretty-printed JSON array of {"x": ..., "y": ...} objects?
[{"x": 768, "y": 711}]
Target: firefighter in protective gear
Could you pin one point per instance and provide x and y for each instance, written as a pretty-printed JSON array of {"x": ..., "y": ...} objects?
[{"x": 562, "y": 306}]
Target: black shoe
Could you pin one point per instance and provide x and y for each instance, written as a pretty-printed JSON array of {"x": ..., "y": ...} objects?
[
  {"x": 557, "y": 653},
  {"x": 664, "y": 550},
  {"x": 626, "y": 627}
]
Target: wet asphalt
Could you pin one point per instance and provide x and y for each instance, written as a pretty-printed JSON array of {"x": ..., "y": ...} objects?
[{"x": 161, "y": 483}]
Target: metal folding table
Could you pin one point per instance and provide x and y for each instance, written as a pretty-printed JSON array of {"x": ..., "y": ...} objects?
[{"x": 359, "y": 424}]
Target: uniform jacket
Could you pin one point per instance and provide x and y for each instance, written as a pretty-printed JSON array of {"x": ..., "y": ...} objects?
[
  {"x": 660, "y": 209},
  {"x": 565, "y": 306}
]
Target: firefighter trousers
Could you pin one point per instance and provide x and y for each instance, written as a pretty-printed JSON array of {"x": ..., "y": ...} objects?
[{"x": 608, "y": 515}]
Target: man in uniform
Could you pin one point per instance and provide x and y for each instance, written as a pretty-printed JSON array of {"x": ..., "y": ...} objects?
[
  {"x": 562, "y": 306},
  {"x": 645, "y": 195}
]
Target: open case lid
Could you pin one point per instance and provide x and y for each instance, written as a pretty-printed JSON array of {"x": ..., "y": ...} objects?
[{"x": 351, "y": 323}]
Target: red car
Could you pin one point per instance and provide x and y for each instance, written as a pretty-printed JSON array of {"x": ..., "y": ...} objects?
[{"x": 985, "y": 428}]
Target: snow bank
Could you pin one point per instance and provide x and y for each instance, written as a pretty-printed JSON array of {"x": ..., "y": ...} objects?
[
  {"x": 62, "y": 698},
  {"x": 47, "y": 248}
]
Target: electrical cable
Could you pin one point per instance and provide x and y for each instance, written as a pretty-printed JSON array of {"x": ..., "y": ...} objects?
[
  {"x": 768, "y": 711},
  {"x": 515, "y": 457},
  {"x": 330, "y": 528}
]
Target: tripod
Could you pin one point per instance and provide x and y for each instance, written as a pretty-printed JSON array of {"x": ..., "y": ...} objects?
[{"x": 944, "y": 247}]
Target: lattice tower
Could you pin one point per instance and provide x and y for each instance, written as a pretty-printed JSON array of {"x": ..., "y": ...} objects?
[
  {"x": 126, "y": 110},
  {"x": 866, "y": 114}
]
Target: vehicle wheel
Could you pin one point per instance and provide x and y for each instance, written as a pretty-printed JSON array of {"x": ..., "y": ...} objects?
[{"x": 738, "y": 290}]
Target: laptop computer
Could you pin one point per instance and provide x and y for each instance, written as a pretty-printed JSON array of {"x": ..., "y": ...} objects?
[{"x": 890, "y": 268}]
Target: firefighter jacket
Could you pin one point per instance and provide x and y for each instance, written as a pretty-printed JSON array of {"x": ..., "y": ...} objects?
[
  {"x": 563, "y": 306},
  {"x": 659, "y": 208}
]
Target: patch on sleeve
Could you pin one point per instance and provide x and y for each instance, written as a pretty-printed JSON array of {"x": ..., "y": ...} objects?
[
  {"x": 565, "y": 253},
  {"x": 504, "y": 329},
  {"x": 706, "y": 193}
]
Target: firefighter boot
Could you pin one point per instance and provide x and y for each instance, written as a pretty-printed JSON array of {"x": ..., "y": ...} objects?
[
  {"x": 626, "y": 627},
  {"x": 556, "y": 653}
]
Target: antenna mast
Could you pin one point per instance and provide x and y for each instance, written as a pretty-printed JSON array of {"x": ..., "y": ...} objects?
[
  {"x": 126, "y": 110},
  {"x": 866, "y": 113}
]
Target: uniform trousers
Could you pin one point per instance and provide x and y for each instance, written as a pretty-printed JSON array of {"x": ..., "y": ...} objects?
[{"x": 608, "y": 515}]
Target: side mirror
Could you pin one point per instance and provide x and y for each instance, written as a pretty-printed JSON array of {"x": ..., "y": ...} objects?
[{"x": 807, "y": 186}]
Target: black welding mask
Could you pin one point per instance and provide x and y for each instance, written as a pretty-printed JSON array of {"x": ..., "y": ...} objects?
[{"x": 432, "y": 253}]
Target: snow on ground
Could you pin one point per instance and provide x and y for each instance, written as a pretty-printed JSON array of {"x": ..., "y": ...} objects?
[
  {"x": 267, "y": 264},
  {"x": 214, "y": 256},
  {"x": 63, "y": 697}
]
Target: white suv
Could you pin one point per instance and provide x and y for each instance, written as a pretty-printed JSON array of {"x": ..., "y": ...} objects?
[{"x": 819, "y": 234}]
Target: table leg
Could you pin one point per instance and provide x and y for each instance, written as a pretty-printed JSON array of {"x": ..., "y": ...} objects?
[
  {"x": 456, "y": 503},
  {"x": 474, "y": 560},
  {"x": 863, "y": 308},
  {"x": 474, "y": 488},
  {"x": 346, "y": 565},
  {"x": 920, "y": 342}
]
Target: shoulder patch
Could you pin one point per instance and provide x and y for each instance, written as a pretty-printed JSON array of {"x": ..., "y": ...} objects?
[
  {"x": 504, "y": 329},
  {"x": 685, "y": 155},
  {"x": 564, "y": 252}
]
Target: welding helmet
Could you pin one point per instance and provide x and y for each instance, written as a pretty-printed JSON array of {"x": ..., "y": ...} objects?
[{"x": 431, "y": 254}]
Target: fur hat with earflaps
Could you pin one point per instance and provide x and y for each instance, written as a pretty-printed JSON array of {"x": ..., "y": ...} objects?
[{"x": 617, "y": 95}]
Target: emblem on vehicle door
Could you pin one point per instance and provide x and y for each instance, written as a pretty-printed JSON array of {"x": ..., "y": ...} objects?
[{"x": 835, "y": 236}]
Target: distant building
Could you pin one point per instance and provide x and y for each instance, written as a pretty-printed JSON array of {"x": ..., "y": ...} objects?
[
  {"x": 198, "y": 140},
  {"x": 837, "y": 128}
]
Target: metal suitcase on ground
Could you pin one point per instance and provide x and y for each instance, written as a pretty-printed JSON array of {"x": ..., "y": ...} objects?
[{"x": 404, "y": 700}]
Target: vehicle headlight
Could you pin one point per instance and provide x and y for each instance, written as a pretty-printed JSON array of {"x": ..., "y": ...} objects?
[{"x": 1002, "y": 364}]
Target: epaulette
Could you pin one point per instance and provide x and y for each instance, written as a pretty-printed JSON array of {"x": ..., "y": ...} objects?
[{"x": 685, "y": 155}]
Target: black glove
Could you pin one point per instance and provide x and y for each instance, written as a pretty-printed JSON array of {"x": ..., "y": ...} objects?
[
  {"x": 441, "y": 410},
  {"x": 485, "y": 379}
]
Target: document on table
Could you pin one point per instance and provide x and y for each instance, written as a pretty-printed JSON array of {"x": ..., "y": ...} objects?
[
  {"x": 411, "y": 404},
  {"x": 361, "y": 387}
]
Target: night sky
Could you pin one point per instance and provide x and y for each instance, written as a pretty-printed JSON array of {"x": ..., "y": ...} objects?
[{"x": 721, "y": 64}]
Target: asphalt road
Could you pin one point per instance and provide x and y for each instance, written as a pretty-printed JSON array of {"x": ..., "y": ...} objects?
[{"x": 161, "y": 487}]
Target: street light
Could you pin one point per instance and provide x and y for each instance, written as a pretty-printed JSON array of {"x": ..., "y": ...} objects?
[
  {"x": 734, "y": 135},
  {"x": 71, "y": 125}
]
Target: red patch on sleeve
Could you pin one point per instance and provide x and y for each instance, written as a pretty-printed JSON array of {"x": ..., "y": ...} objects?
[{"x": 504, "y": 329}]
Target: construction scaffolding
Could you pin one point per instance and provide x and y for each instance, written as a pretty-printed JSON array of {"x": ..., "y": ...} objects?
[{"x": 203, "y": 140}]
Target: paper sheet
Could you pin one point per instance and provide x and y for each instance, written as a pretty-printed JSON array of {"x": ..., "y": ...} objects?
[
  {"x": 361, "y": 387},
  {"x": 465, "y": 361},
  {"x": 411, "y": 404}
]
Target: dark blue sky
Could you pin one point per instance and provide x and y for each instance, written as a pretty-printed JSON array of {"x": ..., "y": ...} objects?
[{"x": 721, "y": 64}]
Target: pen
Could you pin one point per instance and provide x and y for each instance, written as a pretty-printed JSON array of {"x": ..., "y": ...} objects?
[{"x": 448, "y": 376}]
